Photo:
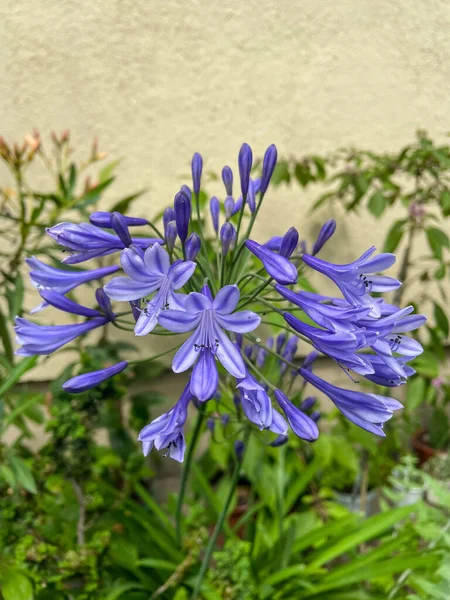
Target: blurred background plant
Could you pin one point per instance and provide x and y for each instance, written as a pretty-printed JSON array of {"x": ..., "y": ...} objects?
[{"x": 79, "y": 518}]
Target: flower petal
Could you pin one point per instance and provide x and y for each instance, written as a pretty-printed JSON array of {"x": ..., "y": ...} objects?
[
  {"x": 229, "y": 355},
  {"x": 239, "y": 322},
  {"x": 157, "y": 260},
  {"x": 278, "y": 267},
  {"x": 204, "y": 378},
  {"x": 186, "y": 355},
  {"x": 180, "y": 273},
  {"x": 196, "y": 303},
  {"x": 226, "y": 300},
  {"x": 381, "y": 283},
  {"x": 134, "y": 266},
  {"x": 178, "y": 321},
  {"x": 379, "y": 263},
  {"x": 124, "y": 288}
]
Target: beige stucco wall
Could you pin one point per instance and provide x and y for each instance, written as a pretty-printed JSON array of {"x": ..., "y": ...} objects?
[{"x": 156, "y": 81}]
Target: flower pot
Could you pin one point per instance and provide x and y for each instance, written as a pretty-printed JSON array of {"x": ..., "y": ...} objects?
[
  {"x": 353, "y": 502},
  {"x": 422, "y": 450}
]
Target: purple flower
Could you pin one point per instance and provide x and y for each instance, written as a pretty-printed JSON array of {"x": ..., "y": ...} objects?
[
  {"x": 307, "y": 403},
  {"x": 103, "y": 219},
  {"x": 182, "y": 204},
  {"x": 368, "y": 411},
  {"x": 86, "y": 381},
  {"x": 300, "y": 423},
  {"x": 387, "y": 376},
  {"x": 88, "y": 241},
  {"x": 166, "y": 432},
  {"x": 245, "y": 161},
  {"x": 325, "y": 233},
  {"x": 227, "y": 237},
  {"x": 227, "y": 178},
  {"x": 192, "y": 246},
  {"x": 150, "y": 273},
  {"x": 258, "y": 407},
  {"x": 197, "y": 166},
  {"x": 357, "y": 279},
  {"x": 208, "y": 318},
  {"x": 278, "y": 267},
  {"x": 289, "y": 242},
  {"x": 45, "y": 277},
  {"x": 45, "y": 339},
  {"x": 214, "y": 207},
  {"x": 269, "y": 162},
  {"x": 279, "y": 441}
]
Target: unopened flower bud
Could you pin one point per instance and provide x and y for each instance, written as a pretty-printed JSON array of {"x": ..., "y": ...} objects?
[
  {"x": 193, "y": 245},
  {"x": 225, "y": 419},
  {"x": 227, "y": 237},
  {"x": 325, "y": 233},
  {"x": 196, "y": 166},
  {"x": 269, "y": 162},
  {"x": 214, "y": 207},
  {"x": 280, "y": 440},
  {"x": 289, "y": 242},
  {"x": 308, "y": 403},
  {"x": 119, "y": 224},
  {"x": 229, "y": 206},
  {"x": 182, "y": 204},
  {"x": 239, "y": 448},
  {"x": 171, "y": 235},
  {"x": 245, "y": 161},
  {"x": 227, "y": 178}
]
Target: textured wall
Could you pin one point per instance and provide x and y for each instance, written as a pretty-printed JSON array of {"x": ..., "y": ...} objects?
[{"x": 156, "y": 81}]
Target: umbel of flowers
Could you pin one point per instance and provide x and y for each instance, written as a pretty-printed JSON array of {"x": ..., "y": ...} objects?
[{"x": 204, "y": 280}]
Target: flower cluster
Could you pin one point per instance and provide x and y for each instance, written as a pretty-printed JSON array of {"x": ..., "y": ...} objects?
[{"x": 215, "y": 288}]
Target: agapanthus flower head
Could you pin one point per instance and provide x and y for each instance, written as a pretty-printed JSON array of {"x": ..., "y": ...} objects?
[
  {"x": 88, "y": 241},
  {"x": 357, "y": 279},
  {"x": 101, "y": 218},
  {"x": 325, "y": 233},
  {"x": 87, "y": 381},
  {"x": 209, "y": 318},
  {"x": 166, "y": 432},
  {"x": 227, "y": 178},
  {"x": 182, "y": 204},
  {"x": 245, "y": 161},
  {"x": 197, "y": 167},
  {"x": 369, "y": 411},
  {"x": 278, "y": 267},
  {"x": 147, "y": 274},
  {"x": 269, "y": 162}
]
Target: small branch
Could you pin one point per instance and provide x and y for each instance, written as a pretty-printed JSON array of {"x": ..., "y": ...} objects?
[{"x": 82, "y": 514}]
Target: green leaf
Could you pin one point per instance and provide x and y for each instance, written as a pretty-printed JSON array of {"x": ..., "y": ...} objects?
[
  {"x": 394, "y": 236},
  {"x": 119, "y": 590},
  {"x": 92, "y": 195},
  {"x": 123, "y": 205},
  {"x": 4, "y": 335},
  {"x": 8, "y": 475},
  {"x": 371, "y": 528},
  {"x": 157, "y": 563},
  {"x": 303, "y": 174},
  {"x": 21, "y": 408},
  {"x": 281, "y": 173},
  {"x": 437, "y": 239},
  {"x": 445, "y": 202},
  {"x": 377, "y": 203},
  {"x": 427, "y": 365},
  {"x": 441, "y": 319},
  {"x": 23, "y": 474},
  {"x": 108, "y": 170},
  {"x": 155, "y": 508},
  {"x": 25, "y": 365},
  {"x": 72, "y": 180},
  {"x": 415, "y": 393},
  {"x": 14, "y": 297},
  {"x": 16, "y": 586}
]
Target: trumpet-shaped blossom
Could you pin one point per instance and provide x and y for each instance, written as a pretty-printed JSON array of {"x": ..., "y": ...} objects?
[
  {"x": 86, "y": 381},
  {"x": 257, "y": 406},
  {"x": 209, "y": 318},
  {"x": 63, "y": 281},
  {"x": 166, "y": 432},
  {"x": 301, "y": 424},
  {"x": 88, "y": 241},
  {"x": 357, "y": 279},
  {"x": 151, "y": 272},
  {"x": 369, "y": 411},
  {"x": 278, "y": 267}
]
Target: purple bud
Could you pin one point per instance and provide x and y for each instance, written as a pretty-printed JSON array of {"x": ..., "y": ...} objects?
[
  {"x": 308, "y": 403},
  {"x": 278, "y": 267},
  {"x": 206, "y": 291},
  {"x": 229, "y": 206},
  {"x": 325, "y": 233},
  {"x": 135, "y": 306},
  {"x": 87, "y": 381},
  {"x": 280, "y": 342},
  {"x": 171, "y": 235},
  {"x": 227, "y": 178},
  {"x": 214, "y": 207},
  {"x": 237, "y": 400},
  {"x": 239, "y": 340},
  {"x": 251, "y": 196},
  {"x": 105, "y": 303},
  {"x": 300, "y": 423},
  {"x": 280, "y": 440},
  {"x": 274, "y": 243},
  {"x": 289, "y": 242},
  {"x": 269, "y": 162},
  {"x": 193, "y": 245},
  {"x": 248, "y": 351},
  {"x": 182, "y": 205},
  {"x": 315, "y": 416},
  {"x": 187, "y": 190},
  {"x": 210, "y": 424},
  {"x": 290, "y": 349},
  {"x": 102, "y": 218},
  {"x": 119, "y": 224},
  {"x": 239, "y": 448},
  {"x": 227, "y": 237},
  {"x": 196, "y": 167},
  {"x": 245, "y": 161},
  {"x": 309, "y": 360},
  {"x": 261, "y": 357},
  {"x": 168, "y": 215},
  {"x": 225, "y": 419}
]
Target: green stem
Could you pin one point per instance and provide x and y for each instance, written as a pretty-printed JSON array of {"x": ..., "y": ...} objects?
[
  {"x": 143, "y": 360},
  {"x": 404, "y": 266},
  {"x": 220, "y": 521},
  {"x": 256, "y": 292},
  {"x": 186, "y": 470}
]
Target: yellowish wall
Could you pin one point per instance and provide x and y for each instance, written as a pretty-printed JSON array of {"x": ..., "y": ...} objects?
[{"x": 156, "y": 81}]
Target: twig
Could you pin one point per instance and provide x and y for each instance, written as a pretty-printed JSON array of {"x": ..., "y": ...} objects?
[{"x": 82, "y": 514}]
